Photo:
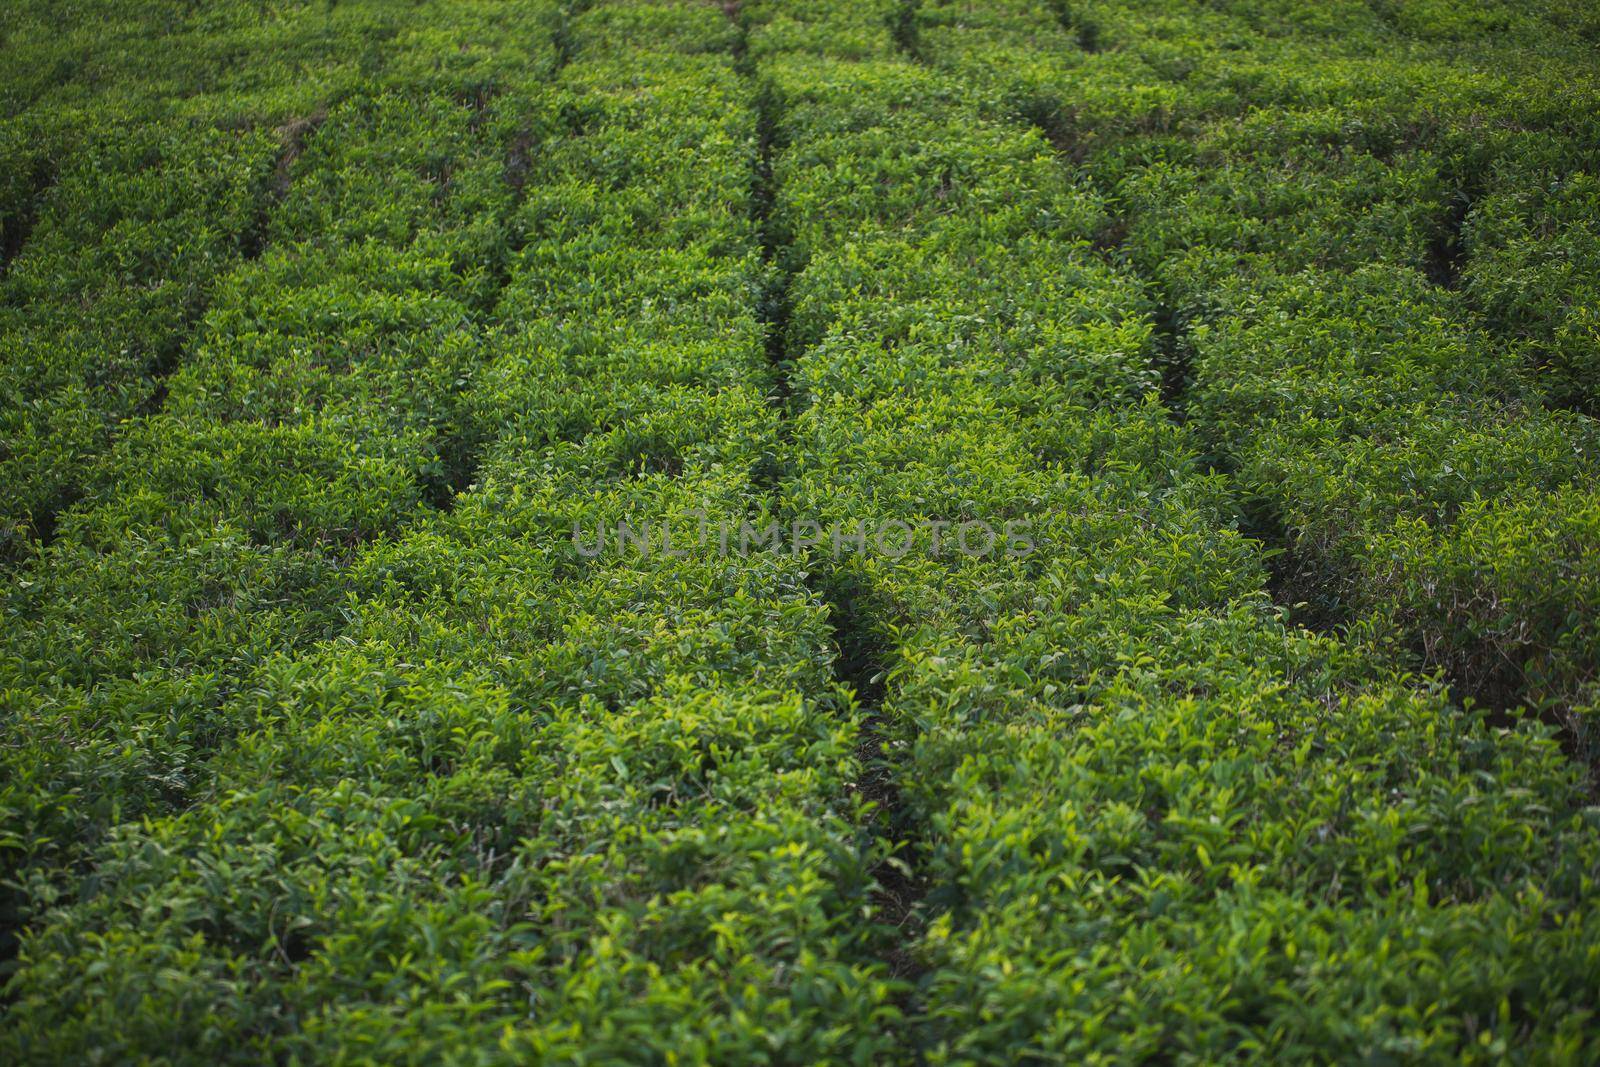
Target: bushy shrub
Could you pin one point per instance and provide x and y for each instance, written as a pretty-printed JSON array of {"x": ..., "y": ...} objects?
[{"x": 338, "y": 337}]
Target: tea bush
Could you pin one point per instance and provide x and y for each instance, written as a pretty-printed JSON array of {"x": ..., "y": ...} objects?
[{"x": 342, "y": 724}]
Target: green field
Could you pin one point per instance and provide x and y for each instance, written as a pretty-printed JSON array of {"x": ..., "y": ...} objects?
[{"x": 800, "y": 531}]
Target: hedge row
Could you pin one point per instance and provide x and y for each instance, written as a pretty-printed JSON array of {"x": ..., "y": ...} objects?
[
  {"x": 1339, "y": 223},
  {"x": 1415, "y": 449},
  {"x": 325, "y": 738},
  {"x": 1152, "y": 820},
  {"x": 135, "y": 186},
  {"x": 315, "y": 406},
  {"x": 502, "y": 801}
]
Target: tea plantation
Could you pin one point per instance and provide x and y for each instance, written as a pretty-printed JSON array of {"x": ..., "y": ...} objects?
[{"x": 447, "y": 450}]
